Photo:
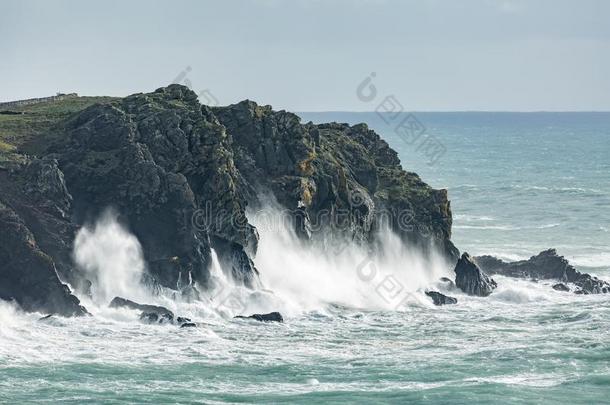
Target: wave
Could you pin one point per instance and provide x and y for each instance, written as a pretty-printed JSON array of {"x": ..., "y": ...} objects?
[
  {"x": 601, "y": 259},
  {"x": 469, "y": 187},
  {"x": 111, "y": 257},
  {"x": 472, "y": 218},
  {"x": 311, "y": 276},
  {"x": 297, "y": 277},
  {"x": 565, "y": 190},
  {"x": 486, "y": 227},
  {"x": 506, "y": 227}
]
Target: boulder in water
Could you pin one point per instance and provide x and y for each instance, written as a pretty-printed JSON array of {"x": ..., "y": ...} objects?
[
  {"x": 471, "y": 279},
  {"x": 118, "y": 302},
  {"x": 441, "y": 299},
  {"x": 561, "y": 287},
  {"x": 188, "y": 325},
  {"x": 270, "y": 317}
]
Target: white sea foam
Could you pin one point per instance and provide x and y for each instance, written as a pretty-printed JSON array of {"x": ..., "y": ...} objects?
[
  {"x": 472, "y": 218},
  {"x": 308, "y": 277},
  {"x": 111, "y": 257},
  {"x": 506, "y": 227}
]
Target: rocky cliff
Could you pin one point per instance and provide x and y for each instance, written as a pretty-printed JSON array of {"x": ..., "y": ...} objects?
[{"x": 182, "y": 175}]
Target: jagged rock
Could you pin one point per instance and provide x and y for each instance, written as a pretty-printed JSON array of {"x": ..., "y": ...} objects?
[
  {"x": 27, "y": 274},
  {"x": 334, "y": 178},
  {"x": 152, "y": 313},
  {"x": 118, "y": 302},
  {"x": 270, "y": 317},
  {"x": 35, "y": 190},
  {"x": 561, "y": 287},
  {"x": 441, "y": 299},
  {"x": 181, "y": 175},
  {"x": 471, "y": 279},
  {"x": 188, "y": 325},
  {"x": 547, "y": 265}
]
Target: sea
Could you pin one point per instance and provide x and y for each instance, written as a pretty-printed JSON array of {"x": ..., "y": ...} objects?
[{"x": 357, "y": 327}]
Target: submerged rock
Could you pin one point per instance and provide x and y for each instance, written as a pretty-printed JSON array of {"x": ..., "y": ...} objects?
[
  {"x": 449, "y": 282},
  {"x": 581, "y": 292},
  {"x": 441, "y": 299},
  {"x": 561, "y": 287},
  {"x": 270, "y": 317},
  {"x": 152, "y": 313},
  {"x": 547, "y": 265},
  {"x": 471, "y": 279},
  {"x": 154, "y": 317}
]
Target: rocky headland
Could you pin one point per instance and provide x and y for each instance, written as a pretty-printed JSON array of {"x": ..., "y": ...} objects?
[{"x": 181, "y": 176}]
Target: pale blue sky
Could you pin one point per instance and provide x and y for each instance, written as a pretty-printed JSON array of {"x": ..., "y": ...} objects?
[{"x": 308, "y": 55}]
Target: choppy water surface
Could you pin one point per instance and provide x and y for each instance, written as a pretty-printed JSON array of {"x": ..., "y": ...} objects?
[{"x": 517, "y": 185}]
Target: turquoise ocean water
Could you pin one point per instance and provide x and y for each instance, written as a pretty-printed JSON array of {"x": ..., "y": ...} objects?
[{"x": 519, "y": 183}]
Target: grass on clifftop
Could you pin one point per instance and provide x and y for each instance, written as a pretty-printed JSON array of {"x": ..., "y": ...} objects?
[{"x": 26, "y": 132}]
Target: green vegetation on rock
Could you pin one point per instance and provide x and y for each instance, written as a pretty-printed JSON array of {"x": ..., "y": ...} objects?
[{"x": 30, "y": 129}]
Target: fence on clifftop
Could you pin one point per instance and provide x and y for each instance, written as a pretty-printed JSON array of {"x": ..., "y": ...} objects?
[{"x": 29, "y": 101}]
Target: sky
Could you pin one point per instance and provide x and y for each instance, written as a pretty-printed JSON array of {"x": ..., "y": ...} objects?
[{"x": 312, "y": 55}]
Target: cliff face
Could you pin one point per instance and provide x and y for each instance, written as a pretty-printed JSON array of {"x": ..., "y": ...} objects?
[
  {"x": 33, "y": 222},
  {"x": 181, "y": 175},
  {"x": 334, "y": 177},
  {"x": 160, "y": 159}
]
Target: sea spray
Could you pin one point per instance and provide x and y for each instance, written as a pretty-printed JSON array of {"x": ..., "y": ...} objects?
[
  {"x": 308, "y": 276},
  {"x": 228, "y": 298},
  {"x": 297, "y": 276},
  {"x": 111, "y": 258}
]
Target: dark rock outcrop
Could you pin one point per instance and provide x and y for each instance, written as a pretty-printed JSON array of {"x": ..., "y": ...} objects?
[
  {"x": 163, "y": 161},
  {"x": 181, "y": 175},
  {"x": 547, "y": 265},
  {"x": 441, "y": 299},
  {"x": 334, "y": 178},
  {"x": 118, "y": 302},
  {"x": 471, "y": 279},
  {"x": 151, "y": 313},
  {"x": 34, "y": 233},
  {"x": 270, "y": 317}
]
